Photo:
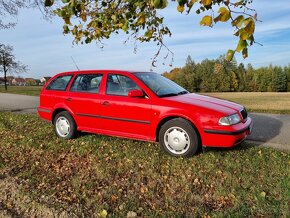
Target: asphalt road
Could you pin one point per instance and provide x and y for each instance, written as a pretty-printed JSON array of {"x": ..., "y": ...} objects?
[
  {"x": 18, "y": 103},
  {"x": 269, "y": 129}
]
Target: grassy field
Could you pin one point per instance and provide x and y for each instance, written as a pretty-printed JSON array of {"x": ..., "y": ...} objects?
[
  {"x": 23, "y": 90},
  {"x": 95, "y": 175},
  {"x": 274, "y": 102}
]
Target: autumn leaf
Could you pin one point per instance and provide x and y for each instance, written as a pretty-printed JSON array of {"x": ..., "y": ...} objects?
[{"x": 206, "y": 21}]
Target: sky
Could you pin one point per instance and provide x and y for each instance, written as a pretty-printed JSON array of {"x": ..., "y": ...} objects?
[{"x": 41, "y": 45}]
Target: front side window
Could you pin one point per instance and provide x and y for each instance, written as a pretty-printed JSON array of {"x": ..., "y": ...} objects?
[
  {"x": 120, "y": 85},
  {"x": 160, "y": 85},
  {"x": 87, "y": 83},
  {"x": 60, "y": 83}
]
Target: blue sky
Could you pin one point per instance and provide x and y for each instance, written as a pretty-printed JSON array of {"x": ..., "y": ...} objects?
[{"x": 42, "y": 46}]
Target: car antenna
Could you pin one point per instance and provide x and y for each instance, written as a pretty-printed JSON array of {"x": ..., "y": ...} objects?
[{"x": 75, "y": 63}]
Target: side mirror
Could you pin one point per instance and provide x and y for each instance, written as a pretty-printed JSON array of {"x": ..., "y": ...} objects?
[{"x": 136, "y": 93}]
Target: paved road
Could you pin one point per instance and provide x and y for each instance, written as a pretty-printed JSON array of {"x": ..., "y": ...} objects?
[
  {"x": 18, "y": 103},
  {"x": 269, "y": 129}
]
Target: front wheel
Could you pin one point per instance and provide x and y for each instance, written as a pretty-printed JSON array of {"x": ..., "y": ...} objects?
[
  {"x": 64, "y": 125},
  {"x": 178, "y": 138}
]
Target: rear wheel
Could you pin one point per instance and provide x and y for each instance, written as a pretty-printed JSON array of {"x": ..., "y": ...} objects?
[
  {"x": 64, "y": 125},
  {"x": 178, "y": 138}
]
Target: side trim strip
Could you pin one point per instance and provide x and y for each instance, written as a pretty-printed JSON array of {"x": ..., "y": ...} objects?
[
  {"x": 44, "y": 110},
  {"x": 113, "y": 118},
  {"x": 222, "y": 132}
]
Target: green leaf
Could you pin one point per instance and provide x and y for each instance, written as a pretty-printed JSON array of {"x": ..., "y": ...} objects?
[
  {"x": 48, "y": 3},
  {"x": 65, "y": 29},
  {"x": 230, "y": 55},
  {"x": 206, "y": 21},
  {"x": 224, "y": 15},
  {"x": 242, "y": 44},
  {"x": 65, "y": 1},
  {"x": 243, "y": 34},
  {"x": 245, "y": 53},
  {"x": 160, "y": 4},
  {"x": 251, "y": 39},
  {"x": 250, "y": 26},
  {"x": 238, "y": 21},
  {"x": 181, "y": 2}
]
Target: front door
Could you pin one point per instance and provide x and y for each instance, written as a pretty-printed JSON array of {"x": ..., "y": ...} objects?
[{"x": 122, "y": 115}]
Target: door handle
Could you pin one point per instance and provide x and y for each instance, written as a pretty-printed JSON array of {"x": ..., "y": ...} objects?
[
  {"x": 68, "y": 99},
  {"x": 105, "y": 103}
]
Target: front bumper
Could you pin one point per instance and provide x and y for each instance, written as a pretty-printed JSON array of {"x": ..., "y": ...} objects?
[{"x": 227, "y": 137}]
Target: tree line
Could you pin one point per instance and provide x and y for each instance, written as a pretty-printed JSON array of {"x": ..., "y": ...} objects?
[{"x": 219, "y": 75}]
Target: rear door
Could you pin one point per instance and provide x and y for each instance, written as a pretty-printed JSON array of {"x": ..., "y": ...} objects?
[
  {"x": 84, "y": 100},
  {"x": 52, "y": 94}
]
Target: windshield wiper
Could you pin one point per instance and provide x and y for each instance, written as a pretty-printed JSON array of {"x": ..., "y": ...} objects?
[
  {"x": 182, "y": 92},
  {"x": 168, "y": 95}
]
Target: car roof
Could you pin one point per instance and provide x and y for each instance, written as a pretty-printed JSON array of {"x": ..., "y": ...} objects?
[{"x": 99, "y": 71}]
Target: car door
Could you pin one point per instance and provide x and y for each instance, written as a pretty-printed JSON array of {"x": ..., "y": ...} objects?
[
  {"x": 84, "y": 100},
  {"x": 123, "y": 115}
]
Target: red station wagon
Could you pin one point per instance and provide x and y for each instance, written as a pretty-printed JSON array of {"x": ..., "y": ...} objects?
[{"x": 144, "y": 106}]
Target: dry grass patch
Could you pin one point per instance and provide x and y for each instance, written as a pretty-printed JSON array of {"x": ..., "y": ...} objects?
[{"x": 271, "y": 102}]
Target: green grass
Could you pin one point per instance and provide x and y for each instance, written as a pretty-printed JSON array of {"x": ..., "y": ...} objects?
[
  {"x": 23, "y": 90},
  {"x": 94, "y": 173}
]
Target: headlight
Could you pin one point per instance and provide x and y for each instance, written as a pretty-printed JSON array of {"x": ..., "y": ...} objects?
[{"x": 230, "y": 120}]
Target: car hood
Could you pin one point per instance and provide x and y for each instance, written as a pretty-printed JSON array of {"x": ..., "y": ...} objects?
[{"x": 216, "y": 104}]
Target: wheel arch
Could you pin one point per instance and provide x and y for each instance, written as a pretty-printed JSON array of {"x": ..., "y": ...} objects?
[
  {"x": 171, "y": 117},
  {"x": 58, "y": 110}
]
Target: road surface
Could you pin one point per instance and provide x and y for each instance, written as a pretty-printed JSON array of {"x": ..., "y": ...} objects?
[
  {"x": 269, "y": 129},
  {"x": 18, "y": 103}
]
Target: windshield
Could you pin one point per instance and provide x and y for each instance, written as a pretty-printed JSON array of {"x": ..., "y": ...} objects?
[{"x": 160, "y": 85}]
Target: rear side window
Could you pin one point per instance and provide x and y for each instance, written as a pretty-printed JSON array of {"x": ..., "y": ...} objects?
[
  {"x": 89, "y": 83},
  {"x": 59, "y": 83}
]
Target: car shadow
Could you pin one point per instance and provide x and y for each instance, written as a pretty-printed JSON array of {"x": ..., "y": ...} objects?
[{"x": 264, "y": 129}]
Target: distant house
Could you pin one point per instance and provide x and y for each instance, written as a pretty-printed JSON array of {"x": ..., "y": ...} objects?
[
  {"x": 44, "y": 79},
  {"x": 30, "y": 81},
  {"x": 37, "y": 82},
  {"x": 2, "y": 81},
  {"x": 19, "y": 82},
  {"x": 9, "y": 79}
]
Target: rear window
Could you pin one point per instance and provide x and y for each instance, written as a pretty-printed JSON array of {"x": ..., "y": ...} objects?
[{"x": 60, "y": 83}]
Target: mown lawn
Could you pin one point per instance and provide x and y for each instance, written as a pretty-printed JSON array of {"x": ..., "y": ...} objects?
[
  {"x": 92, "y": 173},
  {"x": 23, "y": 90}
]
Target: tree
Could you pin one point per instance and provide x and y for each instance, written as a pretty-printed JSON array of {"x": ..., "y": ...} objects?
[
  {"x": 10, "y": 9},
  {"x": 279, "y": 80},
  {"x": 92, "y": 20},
  {"x": 8, "y": 64}
]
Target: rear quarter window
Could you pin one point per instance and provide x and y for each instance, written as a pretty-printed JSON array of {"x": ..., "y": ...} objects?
[{"x": 59, "y": 84}]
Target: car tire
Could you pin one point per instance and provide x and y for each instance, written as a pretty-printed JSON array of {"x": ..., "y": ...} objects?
[
  {"x": 179, "y": 138},
  {"x": 64, "y": 125}
]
